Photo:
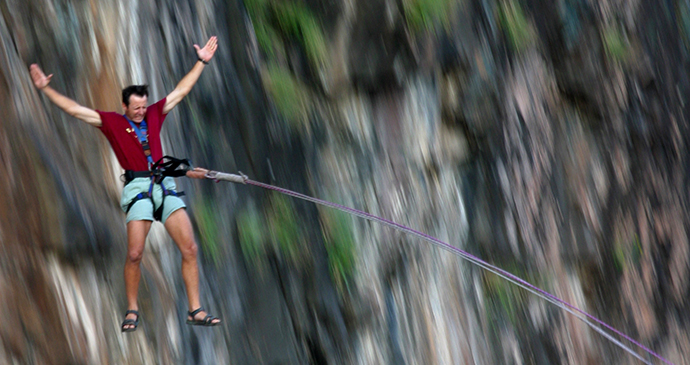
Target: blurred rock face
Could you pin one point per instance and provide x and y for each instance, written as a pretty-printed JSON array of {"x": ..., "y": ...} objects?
[{"x": 547, "y": 137}]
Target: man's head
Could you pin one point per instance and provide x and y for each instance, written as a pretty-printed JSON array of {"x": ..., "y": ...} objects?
[{"x": 134, "y": 99}]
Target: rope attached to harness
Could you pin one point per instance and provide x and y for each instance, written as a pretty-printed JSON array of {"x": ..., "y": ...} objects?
[{"x": 590, "y": 320}]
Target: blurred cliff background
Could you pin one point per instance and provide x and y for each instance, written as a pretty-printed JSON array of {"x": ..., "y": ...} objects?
[{"x": 548, "y": 137}]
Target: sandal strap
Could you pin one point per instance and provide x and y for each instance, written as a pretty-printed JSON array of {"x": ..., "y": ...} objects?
[
  {"x": 129, "y": 321},
  {"x": 193, "y": 313},
  {"x": 132, "y": 311}
]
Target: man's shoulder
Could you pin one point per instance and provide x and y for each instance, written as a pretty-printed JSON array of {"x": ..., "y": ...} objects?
[
  {"x": 159, "y": 102},
  {"x": 156, "y": 110},
  {"x": 109, "y": 114},
  {"x": 158, "y": 106},
  {"x": 108, "y": 118}
]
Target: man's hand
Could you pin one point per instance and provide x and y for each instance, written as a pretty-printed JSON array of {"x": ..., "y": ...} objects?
[
  {"x": 185, "y": 85},
  {"x": 197, "y": 173},
  {"x": 40, "y": 79},
  {"x": 209, "y": 49}
]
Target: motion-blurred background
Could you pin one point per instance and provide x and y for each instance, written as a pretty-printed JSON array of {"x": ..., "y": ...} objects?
[{"x": 548, "y": 137}]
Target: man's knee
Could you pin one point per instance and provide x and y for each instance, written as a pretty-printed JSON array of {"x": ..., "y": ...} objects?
[
  {"x": 189, "y": 250},
  {"x": 135, "y": 256}
]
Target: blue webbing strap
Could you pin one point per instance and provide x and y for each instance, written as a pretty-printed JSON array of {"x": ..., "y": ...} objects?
[{"x": 143, "y": 136}]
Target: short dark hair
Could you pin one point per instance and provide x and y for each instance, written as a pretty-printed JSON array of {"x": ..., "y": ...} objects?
[{"x": 139, "y": 90}]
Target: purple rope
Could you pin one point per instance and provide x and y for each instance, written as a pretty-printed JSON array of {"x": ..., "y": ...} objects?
[{"x": 465, "y": 254}]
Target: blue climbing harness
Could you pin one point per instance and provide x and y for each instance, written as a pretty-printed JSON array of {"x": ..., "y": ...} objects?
[{"x": 159, "y": 170}]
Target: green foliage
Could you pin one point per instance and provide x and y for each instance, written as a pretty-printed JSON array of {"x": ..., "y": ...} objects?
[
  {"x": 505, "y": 299},
  {"x": 267, "y": 38},
  {"x": 297, "y": 22},
  {"x": 427, "y": 14},
  {"x": 208, "y": 229},
  {"x": 615, "y": 44},
  {"x": 278, "y": 230},
  {"x": 285, "y": 229},
  {"x": 515, "y": 25},
  {"x": 340, "y": 247},
  {"x": 627, "y": 253},
  {"x": 274, "y": 20},
  {"x": 265, "y": 35},
  {"x": 251, "y": 228},
  {"x": 256, "y": 8},
  {"x": 288, "y": 93}
]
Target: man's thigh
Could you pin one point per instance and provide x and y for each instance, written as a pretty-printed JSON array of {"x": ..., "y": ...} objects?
[{"x": 179, "y": 227}]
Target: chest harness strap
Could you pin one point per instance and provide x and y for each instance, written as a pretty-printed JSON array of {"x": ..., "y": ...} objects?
[{"x": 158, "y": 170}]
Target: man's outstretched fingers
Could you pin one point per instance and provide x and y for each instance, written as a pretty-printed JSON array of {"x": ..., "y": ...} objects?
[{"x": 209, "y": 49}]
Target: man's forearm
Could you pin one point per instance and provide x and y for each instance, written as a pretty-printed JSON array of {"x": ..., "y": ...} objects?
[
  {"x": 72, "y": 108},
  {"x": 185, "y": 85},
  {"x": 63, "y": 102}
]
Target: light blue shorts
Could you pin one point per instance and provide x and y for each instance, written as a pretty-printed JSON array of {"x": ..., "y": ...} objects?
[{"x": 143, "y": 209}]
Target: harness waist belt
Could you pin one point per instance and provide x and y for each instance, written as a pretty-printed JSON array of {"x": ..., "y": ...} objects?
[
  {"x": 131, "y": 175},
  {"x": 161, "y": 169}
]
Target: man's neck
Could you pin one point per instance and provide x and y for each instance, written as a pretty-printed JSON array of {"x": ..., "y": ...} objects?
[{"x": 132, "y": 120}]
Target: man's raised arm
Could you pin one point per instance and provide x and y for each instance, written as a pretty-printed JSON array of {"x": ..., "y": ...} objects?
[
  {"x": 185, "y": 85},
  {"x": 70, "y": 106}
]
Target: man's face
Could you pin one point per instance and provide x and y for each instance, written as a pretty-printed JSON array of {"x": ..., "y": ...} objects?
[{"x": 136, "y": 111}]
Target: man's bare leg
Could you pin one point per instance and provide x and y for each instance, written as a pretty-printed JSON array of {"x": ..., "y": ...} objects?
[
  {"x": 180, "y": 229},
  {"x": 136, "y": 240}
]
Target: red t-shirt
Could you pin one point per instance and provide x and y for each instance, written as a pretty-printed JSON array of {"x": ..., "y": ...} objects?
[{"x": 123, "y": 139}]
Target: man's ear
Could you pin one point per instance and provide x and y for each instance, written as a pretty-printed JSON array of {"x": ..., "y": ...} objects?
[{"x": 124, "y": 106}]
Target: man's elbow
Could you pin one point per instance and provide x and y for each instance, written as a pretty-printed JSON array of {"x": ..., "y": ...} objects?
[
  {"x": 73, "y": 111},
  {"x": 183, "y": 91}
]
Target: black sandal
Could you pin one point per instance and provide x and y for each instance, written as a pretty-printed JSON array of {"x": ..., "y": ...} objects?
[
  {"x": 207, "y": 321},
  {"x": 130, "y": 322}
]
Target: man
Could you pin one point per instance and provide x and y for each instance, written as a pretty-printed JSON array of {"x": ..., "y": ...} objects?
[{"x": 135, "y": 139}]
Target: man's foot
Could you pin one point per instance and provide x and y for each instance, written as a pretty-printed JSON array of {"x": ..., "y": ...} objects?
[
  {"x": 200, "y": 318},
  {"x": 131, "y": 321}
]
